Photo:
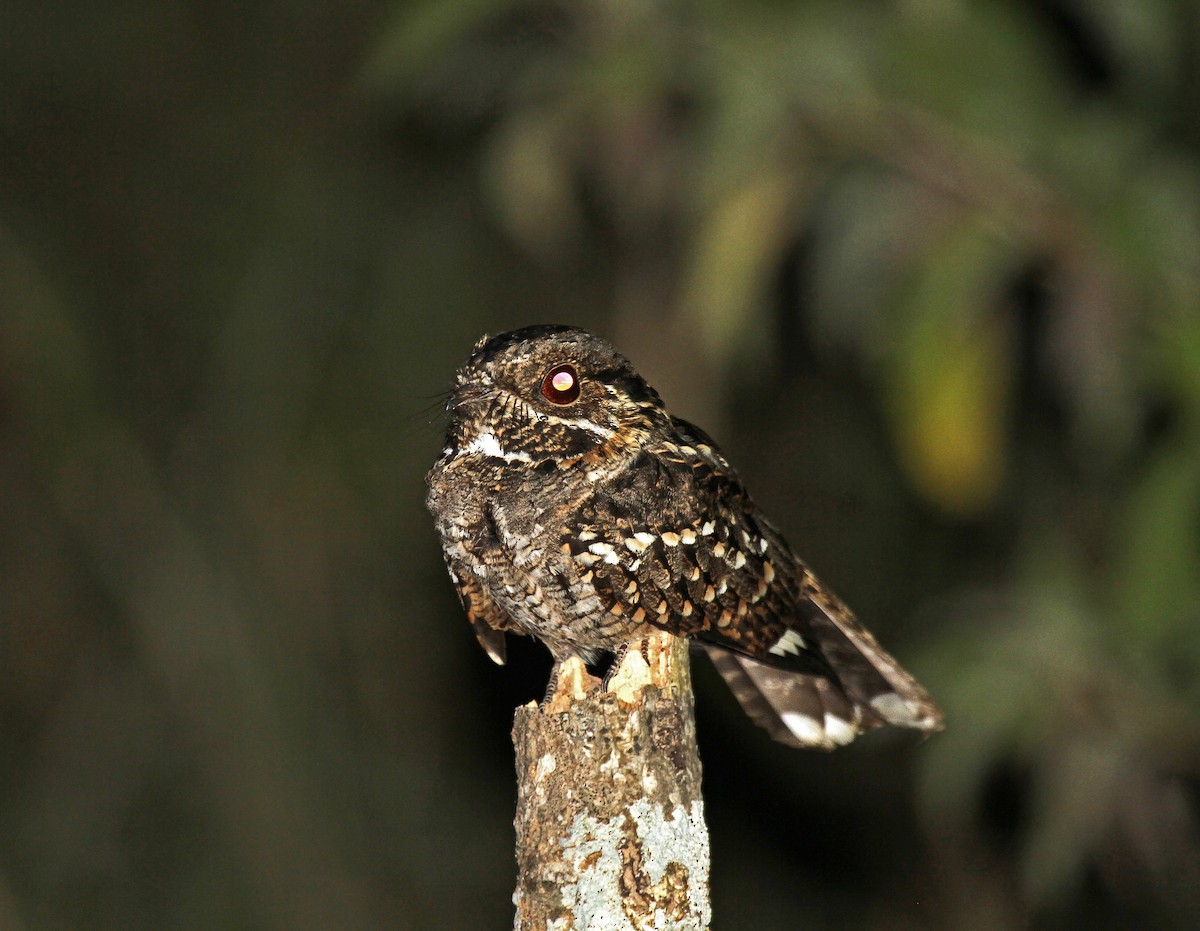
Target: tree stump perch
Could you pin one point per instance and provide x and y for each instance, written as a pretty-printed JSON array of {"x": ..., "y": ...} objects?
[{"x": 610, "y": 820}]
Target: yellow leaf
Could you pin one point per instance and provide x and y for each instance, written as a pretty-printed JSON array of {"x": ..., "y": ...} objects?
[
  {"x": 950, "y": 379},
  {"x": 737, "y": 251}
]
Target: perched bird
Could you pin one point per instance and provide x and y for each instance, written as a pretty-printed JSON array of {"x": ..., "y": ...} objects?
[{"x": 574, "y": 508}]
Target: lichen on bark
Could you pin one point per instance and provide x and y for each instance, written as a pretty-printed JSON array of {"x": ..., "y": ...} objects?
[{"x": 610, "y": 819}]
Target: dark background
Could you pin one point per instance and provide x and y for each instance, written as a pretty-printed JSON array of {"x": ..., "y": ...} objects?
[{"x": 928, "y": 270}]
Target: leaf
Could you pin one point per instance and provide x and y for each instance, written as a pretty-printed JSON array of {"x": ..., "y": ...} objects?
[
  {"x": 738, "y": 248},
  {"x": 417, "y": 36},
  {"x": 1158, "y": 562},
  {"x": 950, "y": 372}
]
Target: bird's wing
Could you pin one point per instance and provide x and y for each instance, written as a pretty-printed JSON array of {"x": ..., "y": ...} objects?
[{"x": 675, "y": 541}]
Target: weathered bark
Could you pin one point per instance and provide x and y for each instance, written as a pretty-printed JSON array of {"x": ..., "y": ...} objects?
[{"x": 610, "y": 821}]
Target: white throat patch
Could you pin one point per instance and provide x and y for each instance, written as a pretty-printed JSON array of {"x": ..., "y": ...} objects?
[{"x": 487, "y": 444}]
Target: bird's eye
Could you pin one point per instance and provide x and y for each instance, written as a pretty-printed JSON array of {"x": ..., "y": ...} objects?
[{"x": 560, "y": 385}]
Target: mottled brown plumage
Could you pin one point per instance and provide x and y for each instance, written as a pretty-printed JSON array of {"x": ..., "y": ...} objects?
[{"x": 573, "y": 507}]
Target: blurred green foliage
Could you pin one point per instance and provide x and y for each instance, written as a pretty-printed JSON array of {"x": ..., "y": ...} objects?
[{"x": 929, "y": 270}]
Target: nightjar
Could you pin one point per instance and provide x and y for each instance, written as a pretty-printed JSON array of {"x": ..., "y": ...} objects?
[{"x": 574, "y": 508}]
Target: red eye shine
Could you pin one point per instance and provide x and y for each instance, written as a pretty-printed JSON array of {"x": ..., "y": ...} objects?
[{"x": 560, "y": 385}]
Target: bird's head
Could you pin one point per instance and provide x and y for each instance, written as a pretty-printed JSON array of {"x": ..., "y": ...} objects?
[{"x": 549, "y": 393}]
